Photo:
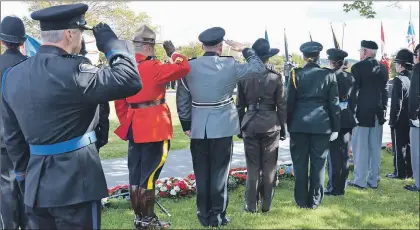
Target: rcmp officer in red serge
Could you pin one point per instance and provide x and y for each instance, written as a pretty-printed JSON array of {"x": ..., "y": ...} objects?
[
  {"x": 313, "y": 120},
  {"x": 12, "y": 35},
  {"x": 146, "y": 123},
  {"x": 338, "y": 156},
  {"x": 49, "y": 105},
  {"x": 262, "y": 126},
  {"x": 209, "y": 116}
]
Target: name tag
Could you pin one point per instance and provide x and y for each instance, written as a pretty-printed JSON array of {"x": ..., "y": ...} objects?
[{"x": 343, "y": 105}]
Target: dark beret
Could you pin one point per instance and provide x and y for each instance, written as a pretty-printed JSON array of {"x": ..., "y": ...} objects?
[
  {"x": 311, "y": 49},
  {"x": 336, "y": 54},
  {"x": 212, "y": 36},
  {"x": 369, "y": 45},
  {"x": 12, "y": 30},
  {"x": 404, "y": 56},
  {"x": 62, "y": 17}
]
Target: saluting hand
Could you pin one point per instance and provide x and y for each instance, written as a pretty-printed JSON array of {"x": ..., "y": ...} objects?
[
  {"x": 169, "y": 48},
  {"x": 103, "y": 35},
  {"x": 236, "y": 46}
]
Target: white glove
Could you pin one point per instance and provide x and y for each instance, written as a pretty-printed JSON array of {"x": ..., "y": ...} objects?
[
  {"x": 334, "y": 136},
  {"x": 415, "y": 123}
]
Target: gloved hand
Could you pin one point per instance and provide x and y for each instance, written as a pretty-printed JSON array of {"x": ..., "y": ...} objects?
[
  {"x": 334, "y": 136},
  {"x": 103, "y": 35},
  {"x": 282, "y": 134},
  {"x": 169, "y": 48}
]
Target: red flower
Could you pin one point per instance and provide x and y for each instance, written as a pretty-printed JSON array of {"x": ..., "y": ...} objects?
[
  {"x": 158, "y": 182},
  {"x": 125, "y": 186},
  {"x": 162, "y": 194},
  {"x": 191, "y": 176},
  {"x": 169, "y": 187},
  {"x": 182, "y": 185},
  {"x": 183, "y": 193}
]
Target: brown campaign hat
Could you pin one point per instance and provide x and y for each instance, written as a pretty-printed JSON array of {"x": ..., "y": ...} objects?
[{"x": 145, "y": 35}]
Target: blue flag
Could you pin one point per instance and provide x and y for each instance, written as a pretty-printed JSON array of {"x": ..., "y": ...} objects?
[
  {"x": 411, "y": 34},
  {"x": 31, "y": 46}
]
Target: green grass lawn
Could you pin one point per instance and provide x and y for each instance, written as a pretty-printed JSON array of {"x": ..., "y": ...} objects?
[
  {"x": 117, "y": 148},
  {"x": 389, "y": 207}
]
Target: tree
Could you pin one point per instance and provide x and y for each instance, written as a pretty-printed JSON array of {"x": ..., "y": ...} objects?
[
  {"x": 365, "y": 8},
  {"x": 192, "y": 50}
]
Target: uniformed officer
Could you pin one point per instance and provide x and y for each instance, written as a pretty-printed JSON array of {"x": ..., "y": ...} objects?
[
  {"x": 146, "y": 123},
  {"x": 313, "y": 119},
  {"x": 414, "y": 116},
  {"x": 49, "y": 105},
  {"x": 262, "y": 125},
  {"x": 338, "y": 157},
  {"x": 209, "y": 116},
  {"x": 370, "y": 96},
  {"x": 398, "y": 119},
  {"x": 12, "y": 35},
  {"x": 103, "y": 110}
]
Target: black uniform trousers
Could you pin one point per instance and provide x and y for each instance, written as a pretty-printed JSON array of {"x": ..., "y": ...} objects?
[
  {"x": 338, "y": 162},
  {"x": 12, "y": 207},
  {"x": 261, "y": 152},
  {"x": 211, "y": 163},
  {"x": 305, "y": 146},
  {"x": 402, "y": 153},
  {"x": 145, "y": 161},
  {"x": 79, "y": 216}
]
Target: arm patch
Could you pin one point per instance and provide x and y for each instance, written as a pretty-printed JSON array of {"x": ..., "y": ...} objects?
[{"x": 88, "y": 68}]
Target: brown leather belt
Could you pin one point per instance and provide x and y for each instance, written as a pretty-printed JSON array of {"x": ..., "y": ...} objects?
[
  {"x": 262, "y": 107},
  {"x": 146, "y": 104}
]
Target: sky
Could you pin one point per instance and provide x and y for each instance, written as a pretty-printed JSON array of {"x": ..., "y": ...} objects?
[{"x": 246, "y": 21}]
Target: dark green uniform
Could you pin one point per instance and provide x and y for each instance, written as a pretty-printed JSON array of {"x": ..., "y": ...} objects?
[{"x": 313, "y": 113}]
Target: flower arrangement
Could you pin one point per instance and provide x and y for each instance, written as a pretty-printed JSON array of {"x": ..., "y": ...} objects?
[
  {"x": 286, "y": 171},
  {"x": 175, "y": 187},
  {"x": 388, "y": 147}
]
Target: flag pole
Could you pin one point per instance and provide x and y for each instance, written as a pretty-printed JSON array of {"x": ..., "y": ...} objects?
[{"x": 342, "y": 39}]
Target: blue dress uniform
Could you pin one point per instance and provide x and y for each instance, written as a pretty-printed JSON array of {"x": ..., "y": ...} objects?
[
  {"x": 49, "y": 106},
  {"x": 368, "y": 101},
  {"x": 205, "y": 107},
  {"x": 338, "y": 157},
  {"x": 12, "y": 34},
  {"x": 313, "y": 115},
  {"x": 398, "y": 118}
]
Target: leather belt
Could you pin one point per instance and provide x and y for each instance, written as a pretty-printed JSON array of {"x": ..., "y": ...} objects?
[
  {"x": 212, "y": 104},
  {"x": 262, "y": 107},
  {"x": 146, "y": 104}
]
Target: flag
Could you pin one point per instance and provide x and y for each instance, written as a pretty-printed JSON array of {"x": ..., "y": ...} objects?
[
  {"x": 30, "y": 46},
  {"x": 411, "y": 36},
  {"x": 310, "y": 36},
  {"x": 286, "y": 51},
  {"x": 266, "y": 34},
  {"x": 336, "y": 44},
  {"x": 382, "y": 40}
]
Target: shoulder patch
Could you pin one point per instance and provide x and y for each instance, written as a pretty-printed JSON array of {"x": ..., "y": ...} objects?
[
  {"x": 87, "y": 68},
  {"x": 179, "y": 59}
]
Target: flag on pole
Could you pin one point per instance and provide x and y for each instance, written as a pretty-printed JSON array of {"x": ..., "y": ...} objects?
[
  {"x": 30, "y": 46},
  {"x": 266, "y": 34},
  {"x": 411, "y": 40},
  {"x": 382, "y": 40},
  {"x": 336, "y": 44}
]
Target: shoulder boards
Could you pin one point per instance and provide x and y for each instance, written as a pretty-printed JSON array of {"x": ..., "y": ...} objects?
[
  {"x": 192, "y": 58},
  {"x": 227, "y": 56}
]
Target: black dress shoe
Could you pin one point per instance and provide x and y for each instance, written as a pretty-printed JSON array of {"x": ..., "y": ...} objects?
[
  {"x": 225, "y": 221},
  {"x": 372, "y": 187},
  {"x": 412, "y": 188},
  {"x": 351, "y": 183},
  {"x": 395, "y": 176}
]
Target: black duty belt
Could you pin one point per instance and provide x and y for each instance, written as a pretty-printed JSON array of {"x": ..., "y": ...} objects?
[
  {"x": 212, "y": 104},
  {"x": 146, "y": 104},
  {"x": 261, "y": 107}
]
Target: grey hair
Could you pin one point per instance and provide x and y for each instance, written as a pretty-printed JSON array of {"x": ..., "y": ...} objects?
[
  {"x": 54, "y": 36},
  {"x": 212, "y": 48},
  {"x": 371, "y": 52}
]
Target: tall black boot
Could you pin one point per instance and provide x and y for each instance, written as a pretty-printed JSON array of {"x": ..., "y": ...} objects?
[
  {"x": 135, "y": 204},
  {"x": 150, "y": 220}
]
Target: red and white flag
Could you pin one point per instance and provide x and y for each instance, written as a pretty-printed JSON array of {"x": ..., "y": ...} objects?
[{"x": 382, "y": 40}]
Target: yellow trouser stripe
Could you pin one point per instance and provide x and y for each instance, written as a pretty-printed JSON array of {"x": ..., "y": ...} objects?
[
  {"x": 162, "y": 161},
  {"x": 294, "y": 78}
]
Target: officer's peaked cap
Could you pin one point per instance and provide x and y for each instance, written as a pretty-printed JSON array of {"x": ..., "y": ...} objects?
[
  {"x": 145, "y": 35},
  {"x": 369, "y": 45},
  {"x": 404, "y": 56},
  {"x": 311, "y": 49},
  {"x": 62, "y": 17},
  {"x": 12, "y": 30},
  {"x": 212, "y": 36},
  {"x": 336, "y": 54}
]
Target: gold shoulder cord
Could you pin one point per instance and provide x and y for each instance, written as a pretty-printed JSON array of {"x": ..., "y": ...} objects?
[{"x": 294, "y": 78}]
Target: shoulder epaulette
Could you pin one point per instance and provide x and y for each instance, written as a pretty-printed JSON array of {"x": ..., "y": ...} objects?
[
  {"x": 227, "y": 56},
  {"x": 192, "y": 59}
]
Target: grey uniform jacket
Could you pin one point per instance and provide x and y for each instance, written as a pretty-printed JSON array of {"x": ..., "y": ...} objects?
[
  {"x": 9, "y": 58},
  {"x": 50, "y": 98},
  {"x": 204, "y": 97}
]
